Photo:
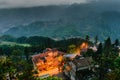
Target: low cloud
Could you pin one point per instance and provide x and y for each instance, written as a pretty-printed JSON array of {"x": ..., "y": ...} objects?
[{"x": 31, "y": 3}]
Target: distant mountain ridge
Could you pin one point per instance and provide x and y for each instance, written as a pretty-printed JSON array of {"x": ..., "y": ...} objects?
[
  {"x": 66, "y": 21},
  {"x": 103, "y": 25}
]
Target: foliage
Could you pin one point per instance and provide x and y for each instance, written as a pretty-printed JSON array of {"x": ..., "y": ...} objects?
[
  {"x": 7, "y": 38},
  {"x": 72, "y": 49},
  {"x": 117, "y": 62},
  {"x": 87, "y": 38},
  {"x": 96, "y": 39},
  {"x": 7, "y": 67},
  {"x": 117, "y": 43},
  {"x": 108, "y": 61},
  {"x": 27, "y": 73},
  {"x": 21, "y": 39},
  {"x": 52, "y": 78},
  {"x": 89, "y": 53}
]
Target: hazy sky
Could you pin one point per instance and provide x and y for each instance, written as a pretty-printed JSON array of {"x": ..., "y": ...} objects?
[{"x": 30, "y": 3}]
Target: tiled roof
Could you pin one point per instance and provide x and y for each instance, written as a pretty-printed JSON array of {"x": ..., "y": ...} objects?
[
  {"x": 83, "y": 62},
  {"x": 38, "y": 57}
]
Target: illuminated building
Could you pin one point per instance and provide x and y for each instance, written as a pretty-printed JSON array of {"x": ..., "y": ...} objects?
[{"x": 48, "y": 62}]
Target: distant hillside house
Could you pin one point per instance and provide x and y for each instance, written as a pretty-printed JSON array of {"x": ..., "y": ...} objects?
[{"x": 48, "y": 60}]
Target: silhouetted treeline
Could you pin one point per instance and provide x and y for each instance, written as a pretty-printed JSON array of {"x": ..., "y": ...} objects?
[{"x": 38, "y": 44}]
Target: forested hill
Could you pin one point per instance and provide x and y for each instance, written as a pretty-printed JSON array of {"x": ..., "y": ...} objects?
[
  {"x": 92, "y": 19},
  {"x": 104, "y": 25}
]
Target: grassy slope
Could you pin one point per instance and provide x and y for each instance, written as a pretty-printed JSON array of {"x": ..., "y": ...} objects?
[{"x": 13, "y": 44}]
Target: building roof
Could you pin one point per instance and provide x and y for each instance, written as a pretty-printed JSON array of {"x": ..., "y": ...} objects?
[
  {"x": 41, "y": 56},
  {"x": 82, "y": 62}
]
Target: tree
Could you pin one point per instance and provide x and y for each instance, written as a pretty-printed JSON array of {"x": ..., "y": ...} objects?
[
  {"x": 27, "y": 72},
  {"x": 87, "y": 38},
  {"x": 107, "y": 47},
  {"x": 100, "y": 49},
  {"x": 115, "y": 73},
  {"x": 98, "y": 53},
  {"x": 107, "y": 44},
  {"x": 16, "y": 55},
  {"x": 8, "y": 38},
  {"x": 117, "y": 42},
  {"x": 7, "y": 67},
  {"x": 22, "y": 39},
  {"x": 117, "y": 62},
  {"x": 1, "y": 51},
  {"x": 26, "y": 53},
  {"x": 72, "y": 48},
  {"x": 96, "y": 39},
  {"x": 89, "y": 52}
]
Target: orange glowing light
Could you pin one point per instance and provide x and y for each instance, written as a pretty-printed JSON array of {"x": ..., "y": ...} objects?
[
  {"x": 50, "y": 63},
  {"x": 60, "y": 58},
  {"x": 84, "y": 45}
]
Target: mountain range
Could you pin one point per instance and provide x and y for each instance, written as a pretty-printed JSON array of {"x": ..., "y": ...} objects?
[{"x": 102, "y": 19}]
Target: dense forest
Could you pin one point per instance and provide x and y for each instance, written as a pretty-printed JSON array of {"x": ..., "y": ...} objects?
[{"x": 38, "y": 44}]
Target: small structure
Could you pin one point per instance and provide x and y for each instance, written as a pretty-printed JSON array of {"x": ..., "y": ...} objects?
[
  {"x": 69, "y": 56},
  {"x": 94, "y": 48},
  {"x": 76, "y": 68}
]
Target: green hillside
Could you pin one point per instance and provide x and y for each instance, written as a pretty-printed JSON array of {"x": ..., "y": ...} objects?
[
  {"x": 14, "y": 44},
  {"x": 104, "y": 25}
]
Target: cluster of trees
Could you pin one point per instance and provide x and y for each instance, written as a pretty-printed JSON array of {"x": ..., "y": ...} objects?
[
  {"x": 38, "y": 44},
  {"x": 108, "y": 59},
  {"x": 18, "y": 70}
]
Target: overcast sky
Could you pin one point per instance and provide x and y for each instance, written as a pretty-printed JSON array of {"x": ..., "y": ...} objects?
[{"x": 29, "y": 3}]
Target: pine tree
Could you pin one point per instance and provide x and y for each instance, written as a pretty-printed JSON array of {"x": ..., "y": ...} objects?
[
  {"x": 117, "y": 42},
  {"x": 96, "y": 39},
  {"x": 107, "y": 47},
  {"x": 107, "y": 43},
  {"x": 100, "y": 49},
  {"x": 26, "y": 53},
  {"x": 87, "y": 38}
]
